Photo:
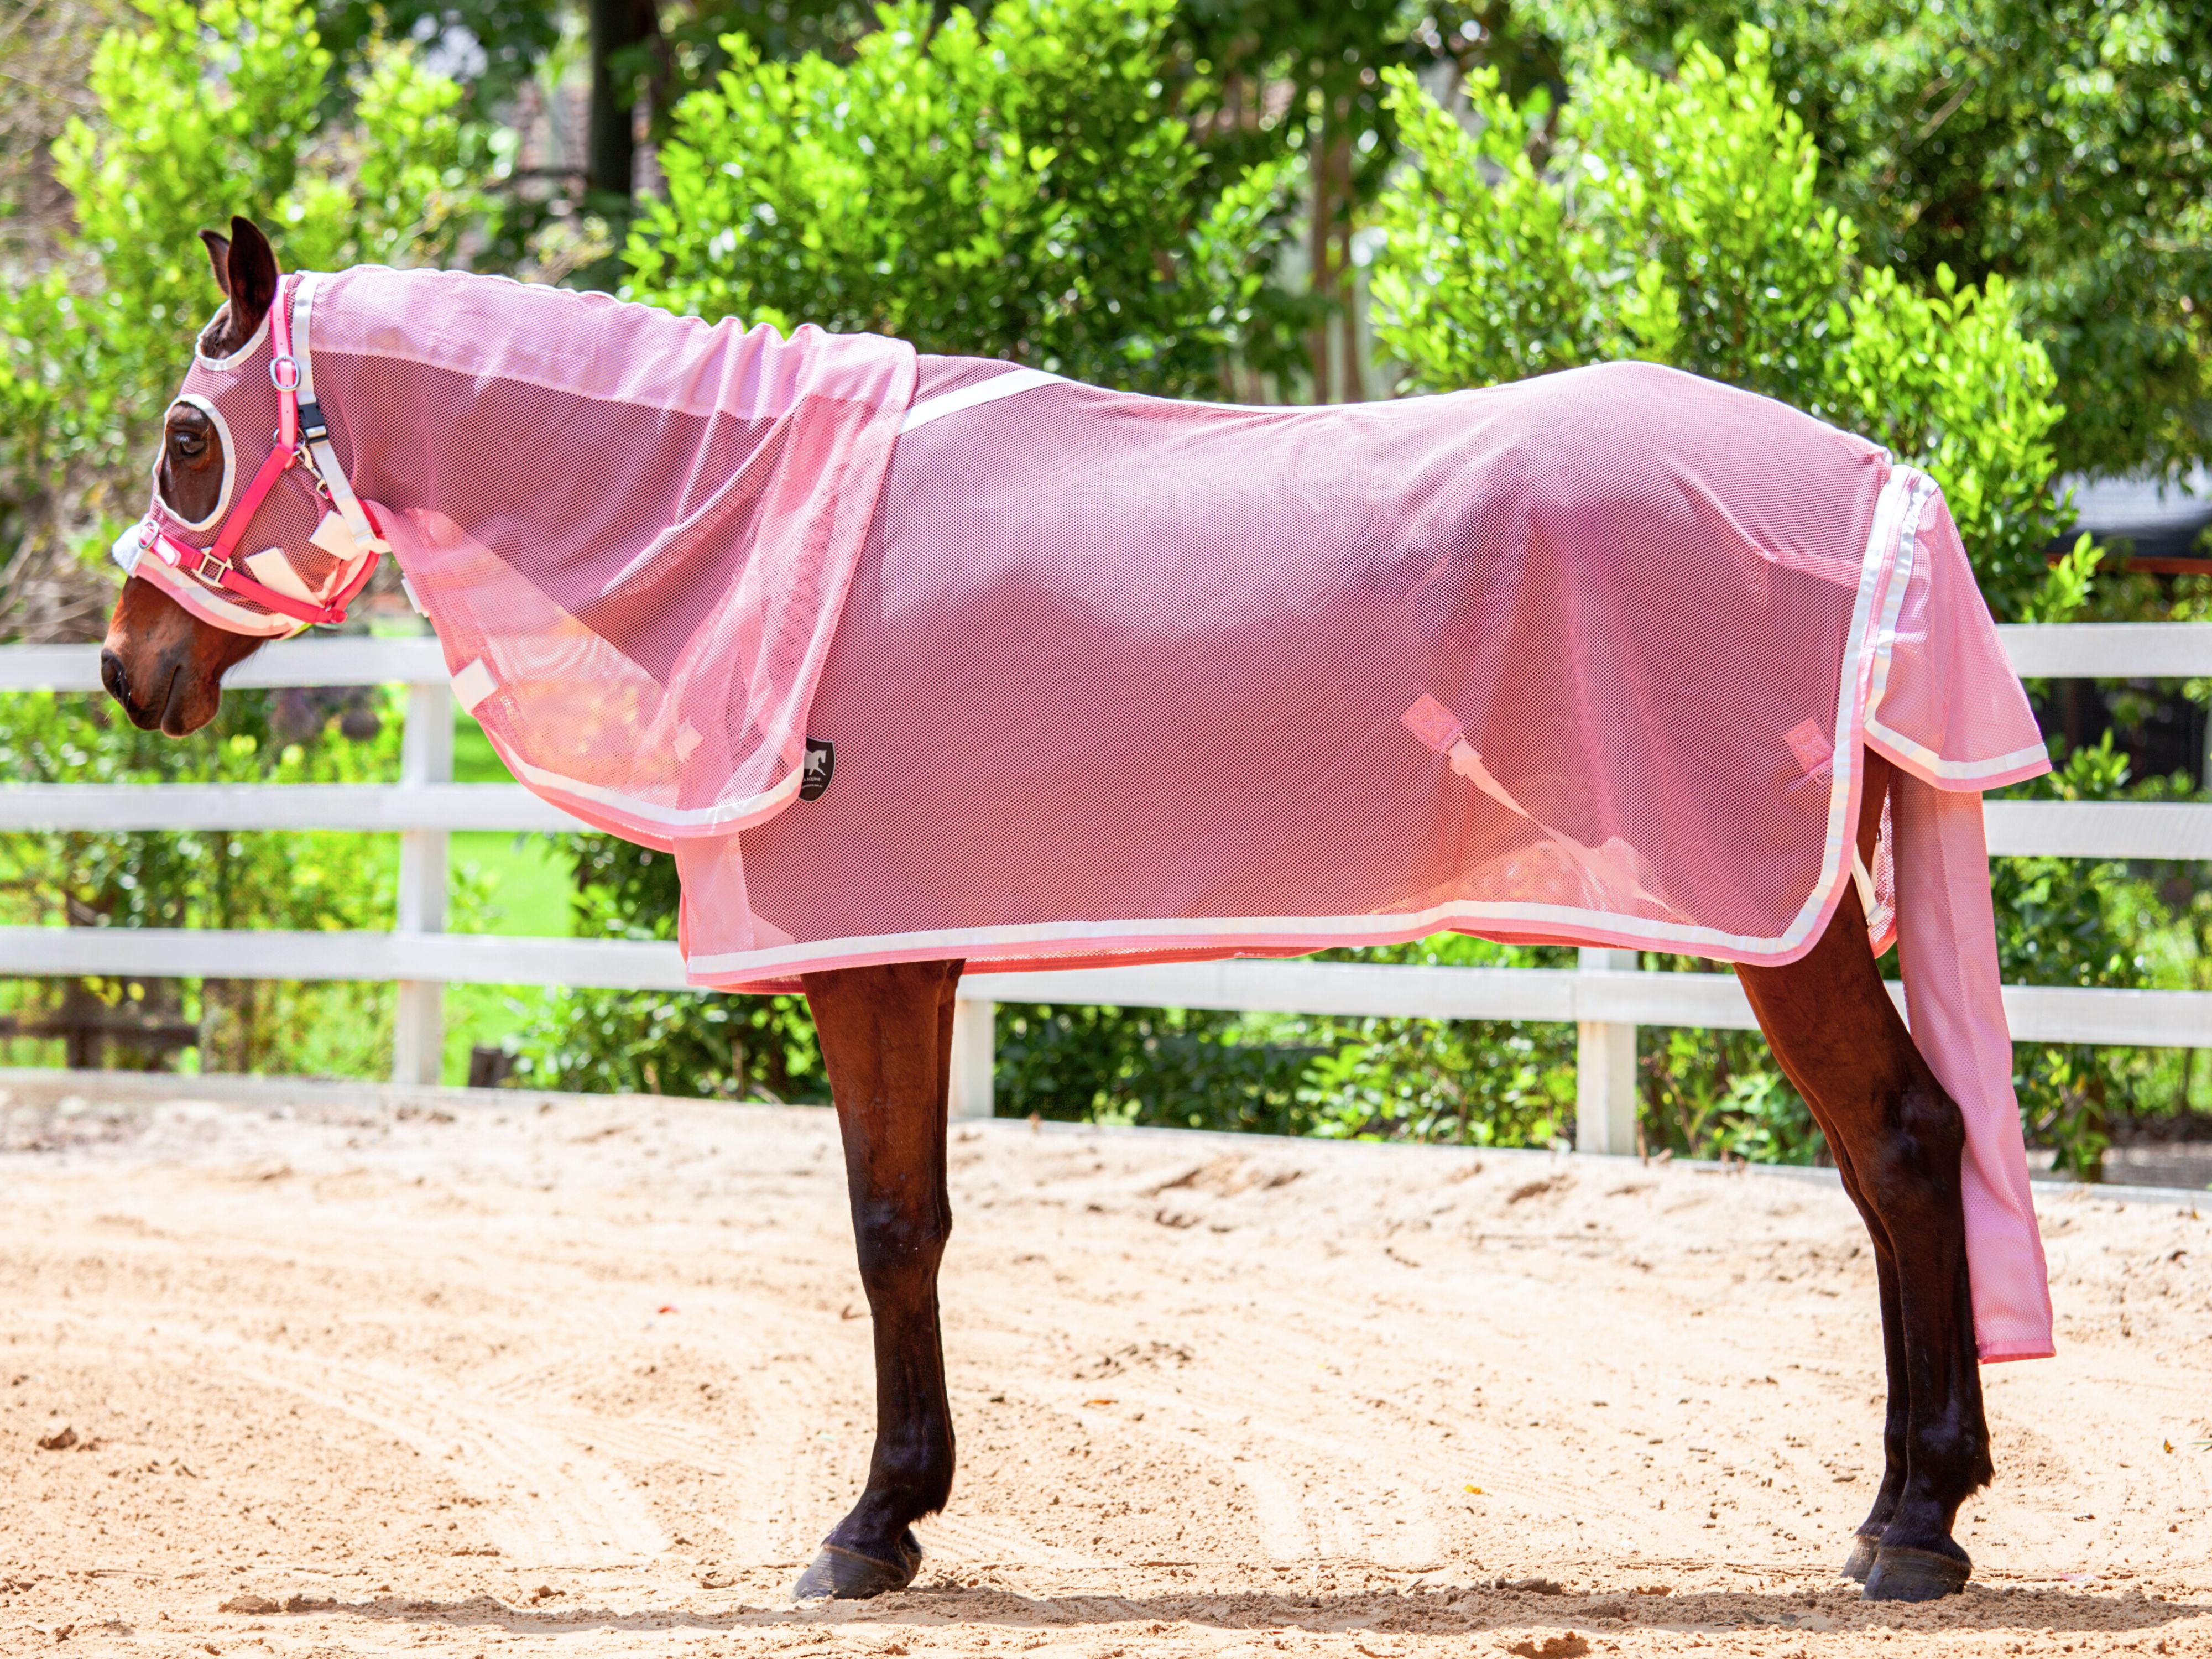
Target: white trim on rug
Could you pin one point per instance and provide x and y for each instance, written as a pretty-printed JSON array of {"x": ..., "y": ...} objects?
[
  {"x": 727, "y": 819},
  {"x": 970, "y": 397},
  {"x": 1914, "y": 757}
]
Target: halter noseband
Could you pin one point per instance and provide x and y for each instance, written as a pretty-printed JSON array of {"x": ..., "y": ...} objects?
[{"x": 303, "y": 437}]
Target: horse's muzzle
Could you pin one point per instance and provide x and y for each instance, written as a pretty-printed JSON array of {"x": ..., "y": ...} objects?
[
  {"x": 158, "y": 712},
  {"x": 117, "y": 683}
]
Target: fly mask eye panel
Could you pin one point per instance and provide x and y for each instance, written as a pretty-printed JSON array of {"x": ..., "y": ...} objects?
[{"x": 286, "y": 546}]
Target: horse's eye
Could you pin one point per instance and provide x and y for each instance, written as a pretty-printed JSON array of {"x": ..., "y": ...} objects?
[{"x": 187, "y": 446}]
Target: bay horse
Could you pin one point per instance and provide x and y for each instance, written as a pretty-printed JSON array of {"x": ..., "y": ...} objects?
[{"x": 886, "y": 1030}]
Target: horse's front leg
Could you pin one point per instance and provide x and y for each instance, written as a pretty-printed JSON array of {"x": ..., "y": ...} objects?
[{"x": 886, "y": 1038}]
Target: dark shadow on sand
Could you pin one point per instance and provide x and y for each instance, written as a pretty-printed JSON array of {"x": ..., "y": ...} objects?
[{"x": 1441, "y": 1611}]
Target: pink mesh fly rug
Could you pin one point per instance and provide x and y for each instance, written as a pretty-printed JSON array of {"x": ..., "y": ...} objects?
[{"x": 1589, "y": 659}]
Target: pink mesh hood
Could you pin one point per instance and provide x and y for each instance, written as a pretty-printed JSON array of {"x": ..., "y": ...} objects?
[
  {"x": 292, "y": 543},
  {"x": 633, "y": 531}
]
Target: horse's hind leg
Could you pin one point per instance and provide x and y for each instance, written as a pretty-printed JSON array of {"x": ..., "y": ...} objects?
[
  {"x": 886, "y": 1038},
  {"x": 1897, "y": 1138}
]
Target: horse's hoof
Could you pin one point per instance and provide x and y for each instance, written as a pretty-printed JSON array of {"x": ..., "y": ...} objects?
[
  {"x": 850, "y": 1576},
  {"x": 1902, "y": 1573},
  {"x": 1860, "y": 1562}
]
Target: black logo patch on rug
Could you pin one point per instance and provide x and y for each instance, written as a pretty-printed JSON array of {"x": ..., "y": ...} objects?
[{"x": 820, "y": 761}]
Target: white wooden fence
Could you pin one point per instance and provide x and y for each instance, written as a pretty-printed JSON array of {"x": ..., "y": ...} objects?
[{"x": 1604, "y": 995}]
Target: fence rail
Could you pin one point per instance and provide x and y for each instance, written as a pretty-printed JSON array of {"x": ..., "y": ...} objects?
[
  {"x": 1604, "y": 996},
  {"x": 2100, "y": 651},
  {"x": 2163, "y": 1019},
  {"x": 2099, "y": 829}
]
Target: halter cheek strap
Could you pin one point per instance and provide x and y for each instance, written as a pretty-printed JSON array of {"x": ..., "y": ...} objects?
[{"x": 299, "y": 426}]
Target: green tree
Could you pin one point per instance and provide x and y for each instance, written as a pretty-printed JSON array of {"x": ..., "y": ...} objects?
[
  {"x": 1260, "y": 82},
  {"x": 1680, "y": 220},
  {"x": 488, "y": 47},
  {"x": 199, "y": 110},
  {"x": 2065, "y": 145},
  {"x": 1271, "y": 79},
  {"x": 202, "y": 110},
  {"x": 1016, "y": 188}
]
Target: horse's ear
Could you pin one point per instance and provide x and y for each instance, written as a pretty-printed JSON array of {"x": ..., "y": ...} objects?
[
  {"x": 253, "y": 277},
  {"x": 218, "y": 247}
]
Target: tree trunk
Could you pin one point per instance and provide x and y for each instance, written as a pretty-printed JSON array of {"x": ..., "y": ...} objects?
[
  {"x": 1352, "y": 389},
  {"x": 610, "y": 146},
  {"x": 1328, "y": 243},
  {"x": 2098, "y": 1123}
]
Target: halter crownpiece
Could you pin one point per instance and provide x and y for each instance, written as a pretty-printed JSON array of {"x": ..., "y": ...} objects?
[{"x": 347, "y": 535}]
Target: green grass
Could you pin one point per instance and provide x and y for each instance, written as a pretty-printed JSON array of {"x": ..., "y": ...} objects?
[
  {"x": 475, "y": 761},
  {"x": 514, "y": 885},
  {"x": 518, "y": 886}
]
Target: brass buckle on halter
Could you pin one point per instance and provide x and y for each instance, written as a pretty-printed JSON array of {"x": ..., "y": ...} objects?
[{"x": 208, "y": 568}]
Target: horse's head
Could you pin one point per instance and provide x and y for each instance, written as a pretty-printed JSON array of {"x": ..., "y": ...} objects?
[{"x": 197, "y": 602}]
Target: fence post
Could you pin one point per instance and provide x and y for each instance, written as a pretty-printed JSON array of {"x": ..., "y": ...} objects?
[
  {"x": 1605, "y": 1071},
  {"x": 426, "y": 756},
  {"x": 975, "y": 1040}
]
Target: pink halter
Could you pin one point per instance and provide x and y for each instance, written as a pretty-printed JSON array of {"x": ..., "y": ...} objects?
[{"x": 303, "y": 438}]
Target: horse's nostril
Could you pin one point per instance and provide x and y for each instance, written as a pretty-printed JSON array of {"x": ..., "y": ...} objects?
[{"x": 111, "y": 677}]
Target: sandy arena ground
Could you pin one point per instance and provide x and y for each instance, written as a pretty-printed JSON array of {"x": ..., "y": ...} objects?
[{"x": 488, "y": 1379}]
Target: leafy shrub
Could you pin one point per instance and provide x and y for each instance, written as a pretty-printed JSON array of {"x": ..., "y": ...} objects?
[
  {"x": 202, "y": 110},
  {"x": 1017, "y": 187},
  {"x": 1680, "y": 220},
  {"x": 1188, "y": 1068},
  {"x": 307, "y": 879},
  {"x": 1949, "y": 381},
  {"x": 1717, "y": 1094},
  {"x": 1472, "y": 1082},
  {"x": 716, "y": 1047},
  {"x": 2060, "y": 143},
  {"x": 1477, "y": 1082}
]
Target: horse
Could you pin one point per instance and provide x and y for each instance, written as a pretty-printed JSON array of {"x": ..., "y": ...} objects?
[{"x": 1896, "y": 1135}]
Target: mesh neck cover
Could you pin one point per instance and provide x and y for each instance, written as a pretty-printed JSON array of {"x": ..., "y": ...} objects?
[{"x": 633, "y": 531}]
